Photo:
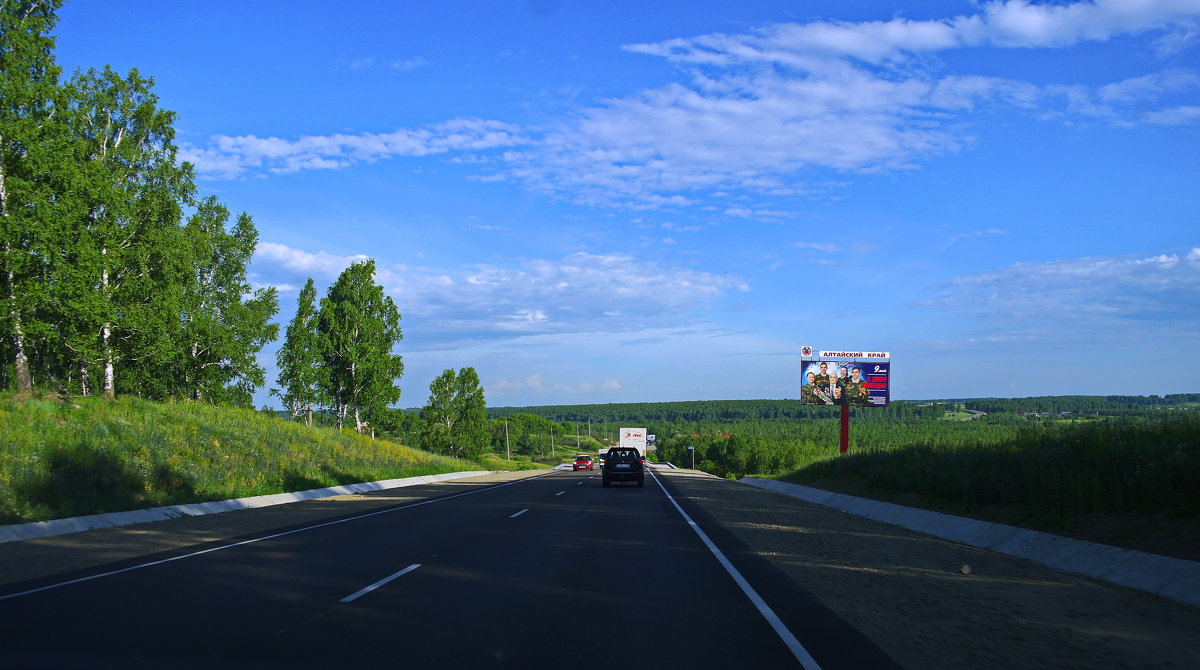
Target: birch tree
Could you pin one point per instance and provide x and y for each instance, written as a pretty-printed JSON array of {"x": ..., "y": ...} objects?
[
  {"x": 223, "y": 323},
  {"x": 455, "y": 418},
  {"x": 28, "y": 149},
  {"x": 359, "y": 327},
  {"x": 128, "y": 192},
  {"x": 299, "y": 359}
]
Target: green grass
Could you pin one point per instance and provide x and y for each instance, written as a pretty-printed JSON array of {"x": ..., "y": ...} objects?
[
  {"x": 67, "y": 457},
  {"x": 496, "y": 462},
  {"x": 1064, "y": 470}
]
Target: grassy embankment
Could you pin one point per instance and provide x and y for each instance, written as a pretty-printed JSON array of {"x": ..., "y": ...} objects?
[
  {"x": 1130, "y": 483},
  {"x": 67, "y": 457}
]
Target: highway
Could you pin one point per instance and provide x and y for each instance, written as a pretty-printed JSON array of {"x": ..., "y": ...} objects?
[{"x": 544, "y": 572}]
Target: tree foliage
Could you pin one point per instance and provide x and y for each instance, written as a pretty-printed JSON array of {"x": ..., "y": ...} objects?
[
  {"x": 125, "y": 199},
  {"x": 105, "y": 289},
  {"x": 28, "y": 150},
  {"x": 454, "y": 421},
  {"x": 299, "y": 359},
  {"x": 221, "y": 330},
  {"x": 359, "y": 326}
]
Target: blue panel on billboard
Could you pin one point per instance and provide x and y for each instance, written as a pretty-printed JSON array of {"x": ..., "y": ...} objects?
[{"x": 856, "y": 384}]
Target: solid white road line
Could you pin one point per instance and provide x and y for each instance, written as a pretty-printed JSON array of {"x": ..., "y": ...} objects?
[
  {"x": 793, "y": 645},
  {"x": 361, "y": 592},
  {"x": 513, "y": 516}
]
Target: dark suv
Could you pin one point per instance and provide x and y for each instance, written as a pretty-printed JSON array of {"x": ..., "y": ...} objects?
[{"x": 623, "y": 464}]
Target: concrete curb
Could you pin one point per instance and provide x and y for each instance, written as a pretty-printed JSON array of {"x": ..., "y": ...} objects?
[
  {"x": 1172, "y": 578},
  {"x": 36, "y": 529}
]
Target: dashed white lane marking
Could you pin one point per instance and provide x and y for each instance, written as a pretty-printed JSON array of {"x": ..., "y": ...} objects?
[
  {"x": 265, "y": 537},
  {"x": 560, "y": 493},
  {"x": 385, "y": 580},
  {"x": 513, "y": 516}
]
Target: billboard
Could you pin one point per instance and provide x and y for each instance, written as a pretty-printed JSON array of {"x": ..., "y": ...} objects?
[{"x": 842, "y": 382}]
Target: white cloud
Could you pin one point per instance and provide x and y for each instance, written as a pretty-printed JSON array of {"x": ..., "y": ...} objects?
[
  {"x": 371, "y": 63},
  {"x": 1011, "y": 23},
  {"x": 763, "y": 107},
  {"x": 321, "y": 264},
  {"x": 1085, "y": 297},
  {"x": 1017, "y": 23},
  {"x": 228, "y": 157},
  {"x": 760, "y": 111},
  {"x": 990, "y": 232},
  {"x": 579, "y": 293},
  {"x": 1176, "y": 116},
  {"x": 817, "y": 246},
  {"x": 536, "y": 383}
]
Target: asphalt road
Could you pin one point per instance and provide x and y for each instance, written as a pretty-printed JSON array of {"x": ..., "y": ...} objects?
[{"x": 543, "y": 572}]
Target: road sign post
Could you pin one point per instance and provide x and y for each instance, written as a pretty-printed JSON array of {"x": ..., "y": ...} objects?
[{"x": 844, "y": 445}]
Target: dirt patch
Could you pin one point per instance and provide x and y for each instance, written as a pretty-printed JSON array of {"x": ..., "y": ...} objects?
[{"x": 907, "y": 591}]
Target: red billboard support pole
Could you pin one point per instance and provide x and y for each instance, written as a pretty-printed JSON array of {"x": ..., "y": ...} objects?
[{"x": 845, "y": 443}]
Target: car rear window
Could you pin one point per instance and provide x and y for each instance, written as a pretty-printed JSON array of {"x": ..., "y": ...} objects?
[{"x": 623, "y": 455}]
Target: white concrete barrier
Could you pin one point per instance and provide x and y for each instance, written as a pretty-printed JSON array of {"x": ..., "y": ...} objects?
[{"x": 35, "y": 529}]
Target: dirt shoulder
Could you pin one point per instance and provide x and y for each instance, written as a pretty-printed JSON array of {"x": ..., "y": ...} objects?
[{"x": 907, "y": 592}]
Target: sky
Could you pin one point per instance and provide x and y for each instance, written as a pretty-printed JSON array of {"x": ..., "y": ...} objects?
[{"x": 631, "y": 201}]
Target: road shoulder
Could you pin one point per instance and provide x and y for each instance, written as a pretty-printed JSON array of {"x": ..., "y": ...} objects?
[{"x": 907, "y": 591}]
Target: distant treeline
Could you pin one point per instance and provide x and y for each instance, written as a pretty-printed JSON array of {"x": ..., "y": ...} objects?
[
  {"x": 1110, "y": 405},
  {"x": 737, "y": 437},
  {"x": 710, "y": 411},
  {"x": 646, "y": 413}
]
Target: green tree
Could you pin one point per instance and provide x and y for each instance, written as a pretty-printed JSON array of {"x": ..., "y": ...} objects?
[
  {"x": 30, "y": 143},
  {"x": 455, "y": 418},
  {"x": 359, "y": 327},
  {"x": 299, "y": 359},
  {"x": 222, "y": 331},
  {"x": 126, "y": 191}
]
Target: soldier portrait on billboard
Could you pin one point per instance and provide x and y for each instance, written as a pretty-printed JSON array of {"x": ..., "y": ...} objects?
[
  {"x": 817, "y": 388},
  {"x": 823, "y": 378},
  {"x": 808, "y": 392},
  {"x": 854, "y": 389}
]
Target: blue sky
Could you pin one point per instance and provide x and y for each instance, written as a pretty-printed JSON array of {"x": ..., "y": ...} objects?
[{"x": 595, "y": 202}]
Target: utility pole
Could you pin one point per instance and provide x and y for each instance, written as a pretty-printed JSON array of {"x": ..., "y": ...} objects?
[{"x": 507, "y": 451}]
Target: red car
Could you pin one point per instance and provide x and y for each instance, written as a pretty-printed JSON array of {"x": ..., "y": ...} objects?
[{"x": 582, "y": 462}]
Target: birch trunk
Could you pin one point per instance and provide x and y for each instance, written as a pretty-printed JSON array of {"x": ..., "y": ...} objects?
[
  {"x": 20, "y": 360},
  {"x": 110, "y": 389}
]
